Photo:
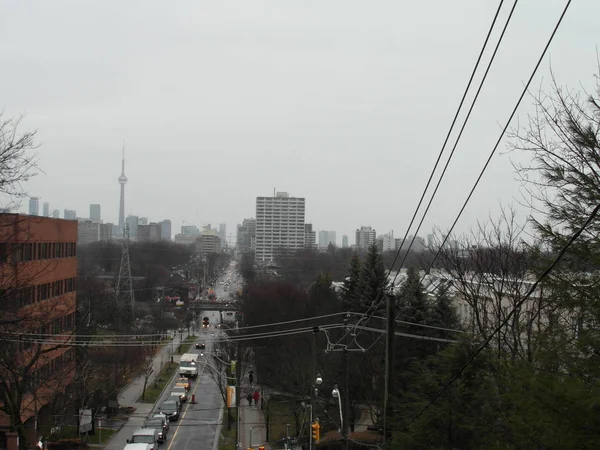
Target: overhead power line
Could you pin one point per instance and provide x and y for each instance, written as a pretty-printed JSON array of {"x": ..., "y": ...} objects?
[
  {"x": 462, "y": 129},
  {"x": 375, "y": 304},
  {"x": 493, "y": 152},
  {"x": 544, "y": 274}
]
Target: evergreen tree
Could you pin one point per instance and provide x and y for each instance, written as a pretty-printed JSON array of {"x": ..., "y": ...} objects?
[
  {"x": 374, "y": 279},
  {"x": 352, "y": 285},
  {"x": 443, "y": 315},
  {"x": 412, "y": 302}
]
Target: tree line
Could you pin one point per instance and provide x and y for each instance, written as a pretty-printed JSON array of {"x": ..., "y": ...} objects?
[{"x": 493, "y": 351}]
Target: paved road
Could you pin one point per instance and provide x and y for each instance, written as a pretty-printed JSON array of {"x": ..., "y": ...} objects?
[{"x": 198, "y": 422}]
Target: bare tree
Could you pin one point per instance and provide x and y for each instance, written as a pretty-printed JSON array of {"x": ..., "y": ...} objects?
[
  {"x": 17, "y": 162},
  {"x": 147, "y": 371},
  {"x": 223, "y": 372},
  {"x": 490, "y": 270},
  {"x": 561, "y": 181}
]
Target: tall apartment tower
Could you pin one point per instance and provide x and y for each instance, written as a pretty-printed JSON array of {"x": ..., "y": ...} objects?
[
  {"x": 95, "y": 213},
  {"x": 46, "y": 209},
  {"x": 310, "y": 237},
  {"x": 344, "y": 241},
  {"x": 279, "y": 225},
  {"x": 34, "y": 206},
  {"x": 223, "y": 235},
  {"x": 326, "y": 238},
  {"x": 132, "y": 223},
  {"x": 246, "y": 235},
  {"x": 165, "y": 230},
  {"x": 365, "y": 236}
]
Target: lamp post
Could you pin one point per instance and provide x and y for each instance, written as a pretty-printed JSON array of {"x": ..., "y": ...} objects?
[
  {"x": 336, "y": 394},
  {"x": 318, "y": 382},
  {"x": 344, "y": 430}
]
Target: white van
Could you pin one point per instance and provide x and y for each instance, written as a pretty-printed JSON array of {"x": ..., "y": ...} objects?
[{"x": 146, "y": 436}]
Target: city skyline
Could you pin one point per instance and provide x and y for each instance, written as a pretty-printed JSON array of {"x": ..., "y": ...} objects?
[{"x": 347, "y": 108}]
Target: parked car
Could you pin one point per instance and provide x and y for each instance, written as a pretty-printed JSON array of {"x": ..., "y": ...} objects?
[
  {"x": 185, "y": 382},
  {"x": 170, "y": 408},
  {"x": 179, "y": 391}
]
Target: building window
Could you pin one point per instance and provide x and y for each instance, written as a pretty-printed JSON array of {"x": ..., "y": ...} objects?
[{"x": 3, "y": 252}]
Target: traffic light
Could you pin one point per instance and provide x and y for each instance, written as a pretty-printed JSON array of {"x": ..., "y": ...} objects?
[{"x": 316, "y": 431}]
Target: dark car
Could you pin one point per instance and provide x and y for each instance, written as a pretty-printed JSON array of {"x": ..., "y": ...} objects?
[
  {"x": 170, "y": 408},
  {"x": 200, "y": 345}
]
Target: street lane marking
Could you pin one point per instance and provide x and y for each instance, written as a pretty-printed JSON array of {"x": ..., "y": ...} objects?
[{"x": 187, "y": 406}]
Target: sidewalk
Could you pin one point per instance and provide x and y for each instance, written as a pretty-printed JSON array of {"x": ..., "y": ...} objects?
[
  {"x": 252, "y": 420},
  {"x": 130, "y": 395}
]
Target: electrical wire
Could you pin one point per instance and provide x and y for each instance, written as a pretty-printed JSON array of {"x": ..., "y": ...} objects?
[
  {"x": 96, "y": 343},
  {"x": 413, "y": 336},
  {"x": 416, "y": 324},
  {"x": 517, "y": 306},
  {"x": 462, "y": 129},
  {"x": 378, "y": 300},
  {"x": 493, "y": 152},
  {"x": 272, "y": 324}
]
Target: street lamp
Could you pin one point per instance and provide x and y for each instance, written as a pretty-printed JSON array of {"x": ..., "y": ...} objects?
[
  {"x": 336, "y": 394},
  {"x": 318, "y": 382}
]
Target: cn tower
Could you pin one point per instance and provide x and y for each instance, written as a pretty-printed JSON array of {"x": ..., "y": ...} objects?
[{"x": 122, "y": 182}]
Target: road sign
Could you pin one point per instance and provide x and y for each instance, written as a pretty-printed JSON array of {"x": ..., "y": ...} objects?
[{"x": 85, "y": 420}]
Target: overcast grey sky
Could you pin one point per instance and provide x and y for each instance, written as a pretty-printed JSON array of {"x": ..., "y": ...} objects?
[{"x": 343, "y": 102}]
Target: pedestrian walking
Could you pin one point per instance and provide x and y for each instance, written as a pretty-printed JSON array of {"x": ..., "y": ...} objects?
[
  {"x": 251, "y": 377},
  {"x": 256, "y": 397},
  {"x": 249, "y": 398}
]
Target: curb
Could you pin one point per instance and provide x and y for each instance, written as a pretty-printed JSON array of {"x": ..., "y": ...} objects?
[{"x": 218, "y": 429}]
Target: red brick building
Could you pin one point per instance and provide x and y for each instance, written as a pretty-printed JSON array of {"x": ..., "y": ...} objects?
[{"x": 38, "y": 285}]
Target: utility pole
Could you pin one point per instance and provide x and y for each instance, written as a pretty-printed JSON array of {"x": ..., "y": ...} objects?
[
  {"x": 389, "y": 358},
  {"x": 313, "y": 394},
  {"x": 346, "y": 399},
  {"x": 237, "y": 395}
]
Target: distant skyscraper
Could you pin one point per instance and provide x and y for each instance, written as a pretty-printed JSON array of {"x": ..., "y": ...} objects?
[
  {"x": 34, "y": 206},
  {"x": 143, "y": 221},
  {"x": 365, "y": 236},
  {"x": 122, "y": 182},
  {"x": 87, "y": 232},
  {"x": 70, "y": 214},
  {"x": 132, "y": 222},
  {"x": 386, "y": 242},
  {"x": 279, "y": 225},
  {"x": 165, "y": 229},
  {"x": 246, "y": 234},
  {"x": 326, "y": 238},
  {"x": 56, "y": 213},
  {"x": 223, "y": 235},
  {"x": 190, "y": 230},
  {"x": 344, "y": 241},
  {"x": 95, "y": 212},
  {"x": 310, "y": 238},
  {"x": 46, "y": 212},
  {"x": 154, "y": 232}
]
